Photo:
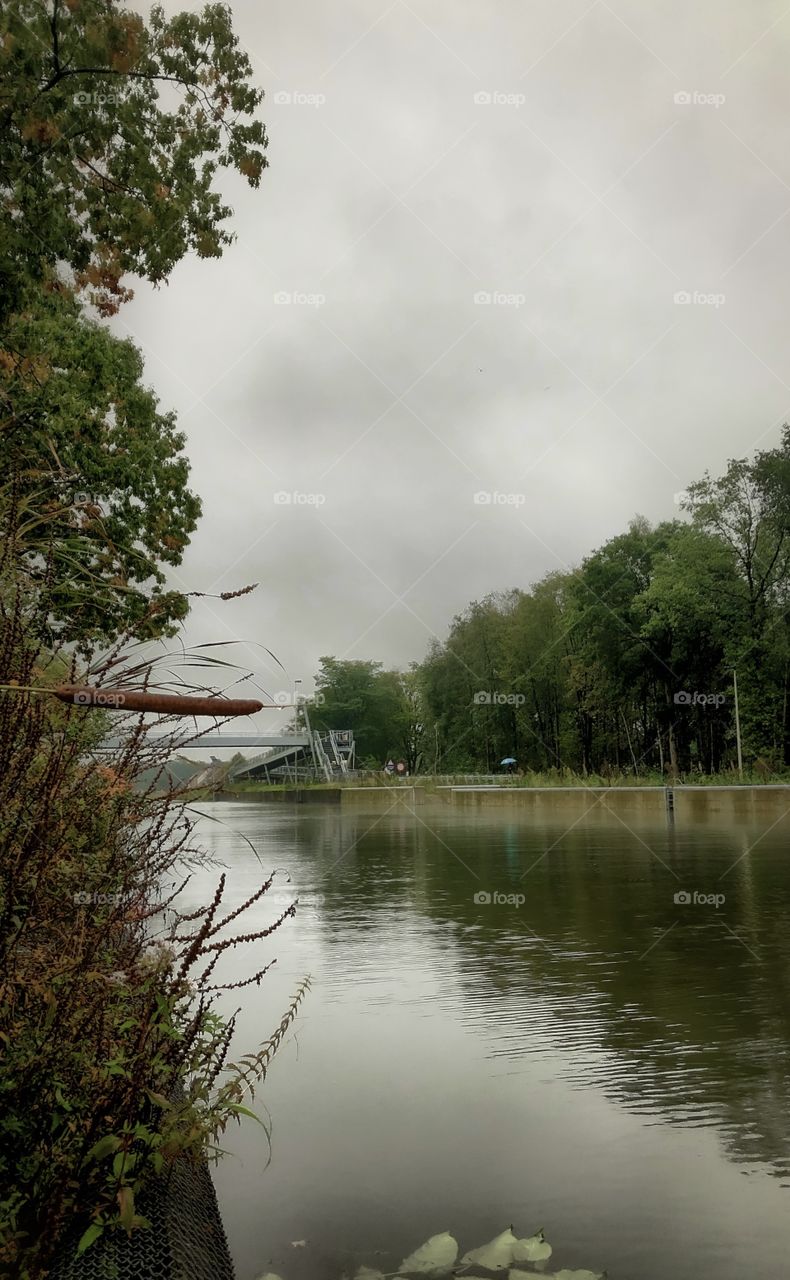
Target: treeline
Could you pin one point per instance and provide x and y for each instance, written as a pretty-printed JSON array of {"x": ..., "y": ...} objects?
[{"x": 628, "y": 664}]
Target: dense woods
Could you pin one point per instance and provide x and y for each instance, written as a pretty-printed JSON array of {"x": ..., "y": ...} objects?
[{"x": 626, "y": 665}]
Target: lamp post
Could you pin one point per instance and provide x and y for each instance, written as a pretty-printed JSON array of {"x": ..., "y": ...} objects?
[
  {"x": 737, "y": 724},
  {"x": 296, "y": 726}
]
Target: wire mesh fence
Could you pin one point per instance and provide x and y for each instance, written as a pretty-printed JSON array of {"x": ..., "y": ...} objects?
[{"x": 186, "y": 1239}]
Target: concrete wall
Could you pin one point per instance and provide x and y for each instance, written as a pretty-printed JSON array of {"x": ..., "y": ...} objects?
[
  {"x": 690, "y": 803},
  {"x": 551, "y": 801}
]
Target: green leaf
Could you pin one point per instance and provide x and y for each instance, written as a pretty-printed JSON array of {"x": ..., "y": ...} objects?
[
  {"x": 104, "y": 1147},
  {"x": 158, "y": 1099},
  {"x": 90, "y": 1237},
  {"x": 238, "y": 1109}
]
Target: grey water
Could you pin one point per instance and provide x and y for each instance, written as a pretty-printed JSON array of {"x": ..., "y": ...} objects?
[{"x": 511, "y": 1021}]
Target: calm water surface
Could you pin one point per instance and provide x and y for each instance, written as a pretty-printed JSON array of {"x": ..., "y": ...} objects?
[{"x": 598, "y": 1059}]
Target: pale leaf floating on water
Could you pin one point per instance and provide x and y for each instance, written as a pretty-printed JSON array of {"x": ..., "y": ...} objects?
[
  {"x": 434, "y": 1258},
  {"x": 298, "y": 1244},
  {"x": 532, "y": 1249},
  {"x": 494, "y": 1256},
  {"x": 369, "y": 1273},
  {"x": 269, "y": 1275}
]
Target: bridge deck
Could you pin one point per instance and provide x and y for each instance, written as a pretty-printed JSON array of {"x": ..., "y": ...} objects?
[{"x": 214, "y": 740}]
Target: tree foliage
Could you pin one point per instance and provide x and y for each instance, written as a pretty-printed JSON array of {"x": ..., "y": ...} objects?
[
  {"x": 626, "y": 664},
  {"x": 113, "y": 132},
  {"x": 86, "y": 436},
  {"x": 381, "y": 707}
]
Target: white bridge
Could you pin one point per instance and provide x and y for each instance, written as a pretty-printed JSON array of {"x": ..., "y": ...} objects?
[{"x": 328, "y": 754}]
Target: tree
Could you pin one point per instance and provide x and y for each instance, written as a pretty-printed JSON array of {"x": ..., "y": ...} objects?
[
  {"x": 86, "y": 437},
  {"x": 99, "y": 174},
  {"x": 634, "y": 681},
  {"x": 690, "y": 615},
  {"x": 378, "y": 705},
  {"x": 465, "y": 686},
  {"x": 112, "y": 131},
  {"x": 748, "y": 509}
]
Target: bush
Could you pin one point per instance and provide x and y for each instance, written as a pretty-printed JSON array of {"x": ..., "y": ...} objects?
[{"x": 114, "y": 1058}]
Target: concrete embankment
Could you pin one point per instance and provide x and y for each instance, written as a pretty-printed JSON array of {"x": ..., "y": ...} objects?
[{"x": 692, "y": 802}]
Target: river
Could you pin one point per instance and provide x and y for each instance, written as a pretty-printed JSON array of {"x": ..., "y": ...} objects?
[{"x": 581, "y": 1052}]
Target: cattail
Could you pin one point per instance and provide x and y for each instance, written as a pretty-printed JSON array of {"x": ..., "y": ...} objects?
[{"x": 164, "y": 703}]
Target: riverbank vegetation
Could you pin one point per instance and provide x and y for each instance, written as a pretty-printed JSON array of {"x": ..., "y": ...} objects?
[
  {"x": 626, "y": 666},
  {"x": 113, "y": 1054},
  {"x": 113, "y": 1050}
]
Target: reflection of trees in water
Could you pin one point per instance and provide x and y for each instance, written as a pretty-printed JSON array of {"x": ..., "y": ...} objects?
[{"x": 660, "y": 1006}]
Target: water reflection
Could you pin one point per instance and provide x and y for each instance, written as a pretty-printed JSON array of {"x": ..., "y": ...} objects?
[
  {"x": 598, "y": 983},
  {"x": 679, "y": 1011}
]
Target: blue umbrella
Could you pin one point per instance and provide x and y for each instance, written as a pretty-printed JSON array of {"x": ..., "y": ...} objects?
[{"x": 508, "y": 760}]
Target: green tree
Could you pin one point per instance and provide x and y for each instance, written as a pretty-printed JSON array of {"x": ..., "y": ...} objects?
[
  {"x": 111, "y": 134},
  {"x": 748, "y": 509},
  {"x": 374, "y": 703},
  {"x": 634, "y": 683},
  {"x": 86, "y": 437},
  {"x": 690, "y": 615},
  {"x": 465, "y": 685}
]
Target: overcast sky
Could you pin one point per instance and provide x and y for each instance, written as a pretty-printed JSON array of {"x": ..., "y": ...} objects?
[{"x": 580, "y": 165}]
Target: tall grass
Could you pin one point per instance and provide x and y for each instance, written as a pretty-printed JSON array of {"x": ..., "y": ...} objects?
[{"x": 114, "y": 1057}]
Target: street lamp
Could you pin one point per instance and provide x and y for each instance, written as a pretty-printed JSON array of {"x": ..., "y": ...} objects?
[
  {"x": 737, "y": 724},
  {"x": 296, "y": 727}
]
